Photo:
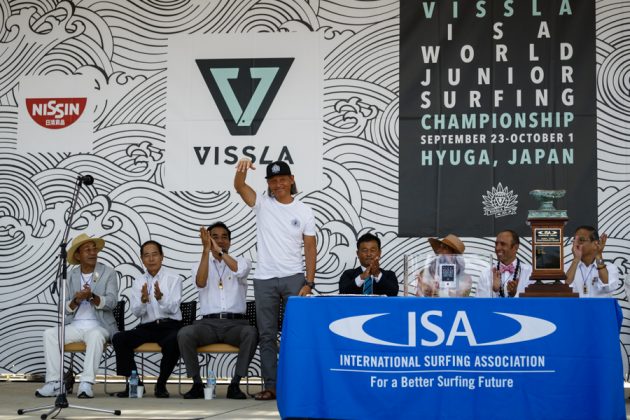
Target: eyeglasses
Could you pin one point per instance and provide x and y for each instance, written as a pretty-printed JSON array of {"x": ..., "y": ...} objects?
[{"x": 583, "y": 240}]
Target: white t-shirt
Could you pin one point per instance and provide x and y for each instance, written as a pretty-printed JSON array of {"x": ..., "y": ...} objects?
[
  {"x": 85, "y": 315},
  {"x": 280, "y": 229}
]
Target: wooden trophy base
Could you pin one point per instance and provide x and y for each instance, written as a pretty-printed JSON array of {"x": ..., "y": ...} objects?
[{"x": 555, "y": 289}]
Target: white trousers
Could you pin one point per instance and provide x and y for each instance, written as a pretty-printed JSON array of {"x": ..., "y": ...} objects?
[{"x": 94, "y": 339}]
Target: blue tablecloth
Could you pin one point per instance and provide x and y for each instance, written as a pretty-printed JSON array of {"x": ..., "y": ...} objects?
[{"x": 403, "y": 357}]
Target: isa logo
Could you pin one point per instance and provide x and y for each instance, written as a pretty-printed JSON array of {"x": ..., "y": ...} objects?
[
  {"x": 253, "y": 95},
  {"x": 55, "y": 114}
]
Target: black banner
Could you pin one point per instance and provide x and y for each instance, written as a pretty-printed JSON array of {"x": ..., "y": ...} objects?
[{"x": 497, "y": 98}]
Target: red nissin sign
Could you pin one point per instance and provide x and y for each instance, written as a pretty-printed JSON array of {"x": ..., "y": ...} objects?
[{"x": 55, "y": 113}]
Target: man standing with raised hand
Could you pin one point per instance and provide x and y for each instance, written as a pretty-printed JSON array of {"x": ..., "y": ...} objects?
[
  {"x": 92, "y": 295},
  {"x": 283, "y": 225},
  {"x": 588, "y": 274}
]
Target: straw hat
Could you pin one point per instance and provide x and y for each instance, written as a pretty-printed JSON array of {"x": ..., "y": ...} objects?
[
  {"x": 80, "y": 240},
  {"x": 450, "y": 241}
]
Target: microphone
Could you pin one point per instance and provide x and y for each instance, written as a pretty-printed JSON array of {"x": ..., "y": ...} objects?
[{"x": 86, "y": 179}]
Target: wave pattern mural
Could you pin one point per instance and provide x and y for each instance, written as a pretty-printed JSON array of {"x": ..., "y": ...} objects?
[{"x": 121, "y": 46}]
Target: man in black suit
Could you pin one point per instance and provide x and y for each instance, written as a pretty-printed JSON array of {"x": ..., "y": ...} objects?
[{"x": 368, "y": 278}]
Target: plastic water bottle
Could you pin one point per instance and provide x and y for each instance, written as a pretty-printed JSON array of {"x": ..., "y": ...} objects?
[
  {"x": 212, "y": 384},
  {"x": 133, "y": 384}
]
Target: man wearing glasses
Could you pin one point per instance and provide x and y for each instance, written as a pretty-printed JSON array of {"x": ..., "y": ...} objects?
[{"x": 588, "y": 274}]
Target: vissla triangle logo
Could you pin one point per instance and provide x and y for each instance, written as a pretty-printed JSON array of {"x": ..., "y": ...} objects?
[{"x": 244, "y": 89}]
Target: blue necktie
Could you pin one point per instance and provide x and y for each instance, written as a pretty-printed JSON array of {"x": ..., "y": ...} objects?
[{"x": 367, "y": 286}]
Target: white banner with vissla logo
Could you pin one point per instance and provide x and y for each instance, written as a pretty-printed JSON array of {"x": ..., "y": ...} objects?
[
  {"x": 243, "y": 95},
  {"x": 55, "y": 114}
]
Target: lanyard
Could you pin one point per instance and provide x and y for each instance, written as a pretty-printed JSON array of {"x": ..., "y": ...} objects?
[
  {"x": 585, "y": 279},
  {"x": 515, "y": 277},
  {"x": 216, "y": 267},
  {"x": 86, "y": 280}
]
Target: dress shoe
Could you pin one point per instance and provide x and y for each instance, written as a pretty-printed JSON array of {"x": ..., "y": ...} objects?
[
  {"x": 160, "y": 391},
  {"x": 234, "y": 393},
  {"x": 195, "y": 392},
  {"x": 125, "y": 393}
]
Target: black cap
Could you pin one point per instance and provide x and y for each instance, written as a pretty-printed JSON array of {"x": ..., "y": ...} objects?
[{"x": 278, "y": 168}]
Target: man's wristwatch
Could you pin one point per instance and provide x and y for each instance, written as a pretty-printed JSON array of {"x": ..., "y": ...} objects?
[
  {"x": 310, "y": 284},
  {"x": 600, "y": 263}
]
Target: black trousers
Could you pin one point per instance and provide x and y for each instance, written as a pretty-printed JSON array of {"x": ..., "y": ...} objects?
[{"x": 164, "y": 333}]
